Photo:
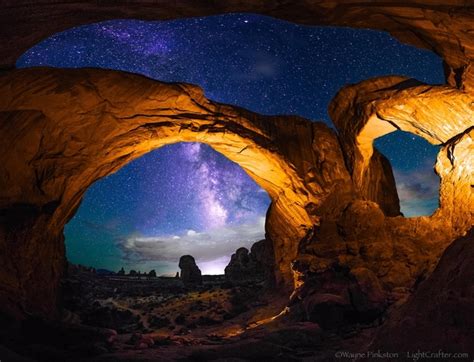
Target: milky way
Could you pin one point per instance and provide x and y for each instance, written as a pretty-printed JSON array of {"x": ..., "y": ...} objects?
[{"x": 186, "y": 198}]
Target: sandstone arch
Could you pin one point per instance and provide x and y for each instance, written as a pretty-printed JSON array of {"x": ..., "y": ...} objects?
[
  {"x": 49, "y": 157},
  {"x": 440, "y": 114},
  {"x": 64, "y": 129},
  {"x": 73, "y": 127}
]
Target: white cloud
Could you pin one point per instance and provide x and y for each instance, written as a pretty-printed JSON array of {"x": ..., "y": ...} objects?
[{"x": 211, "y": 248}]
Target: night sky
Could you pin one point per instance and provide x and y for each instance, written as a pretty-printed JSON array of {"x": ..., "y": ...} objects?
[{"x": 187, "y": 198}]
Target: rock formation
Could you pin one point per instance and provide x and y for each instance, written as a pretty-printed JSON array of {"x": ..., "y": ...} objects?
[
  {"x": 337, "y": 237},
  {"x": 152, "y": 273},
  {"x": 245, "y": 266},
  {"x": 319, "y": 206},
  {"x": 190, "y": 272},
  {"x": 440, "y": 314},
  {"x": 240, "y": 266},
  {"x": 378, "y": 106}
]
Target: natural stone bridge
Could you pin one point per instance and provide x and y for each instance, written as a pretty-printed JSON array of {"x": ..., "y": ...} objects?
[{"x": 334, "y": 202}]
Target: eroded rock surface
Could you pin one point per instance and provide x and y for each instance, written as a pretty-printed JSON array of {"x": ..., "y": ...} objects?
[
  {"x": 441, "y": 114},
  {"x": 440, "y": 314},
  {"x": 64, "y": 129},
  {"x": 335, "y": 234}
]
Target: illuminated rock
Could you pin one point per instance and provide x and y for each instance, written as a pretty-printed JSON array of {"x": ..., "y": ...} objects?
[
  {"x": 70, "y": 128},
  {"x": 455, "y": 166},
  {"x": 440, "y": 114}
]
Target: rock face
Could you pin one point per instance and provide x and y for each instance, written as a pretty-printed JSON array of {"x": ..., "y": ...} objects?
[
  {"x": 335, "y": 286},
  {"x": 378, "y": 106},
  {"x": 440, "y": 314},
  {"x": 190, "y": 273},
  {"x": 245, "y": 266},
  {"x": 334, "y": 202}
]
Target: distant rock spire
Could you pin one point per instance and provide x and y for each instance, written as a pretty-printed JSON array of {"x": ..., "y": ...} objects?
[{"x": 190, "y": 273}]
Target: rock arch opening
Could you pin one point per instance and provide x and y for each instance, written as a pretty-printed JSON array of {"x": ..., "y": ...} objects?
[
  {"x": 150, "y": 247},
  {"x": 162, "y": 114},
  {"x": 180, "y": 199},
  {"x": 413, "y": 161}
]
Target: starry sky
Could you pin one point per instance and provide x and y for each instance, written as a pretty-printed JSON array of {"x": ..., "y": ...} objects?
[{"x": 187, "y": 198}]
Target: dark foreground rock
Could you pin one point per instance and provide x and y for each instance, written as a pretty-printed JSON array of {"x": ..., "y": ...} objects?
[{"x": 440, "y": 314}]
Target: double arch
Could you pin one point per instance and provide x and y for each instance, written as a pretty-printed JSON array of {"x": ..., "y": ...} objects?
[{"x": 51, "y": 154}]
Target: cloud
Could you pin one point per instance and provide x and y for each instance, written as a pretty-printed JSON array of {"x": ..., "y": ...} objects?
[
  {"x": 418, "y": 190},
  {"x": 206, "y": 247}
]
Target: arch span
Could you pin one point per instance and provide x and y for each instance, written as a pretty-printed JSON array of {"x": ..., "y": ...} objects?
[
  {"x": 440, "y": 114},
  {"x": 64, "y": 129},
  {"x": 73, "y": 127}
]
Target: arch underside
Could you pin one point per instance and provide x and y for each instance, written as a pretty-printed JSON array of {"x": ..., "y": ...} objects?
[{"x": 334, "y": 201}]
